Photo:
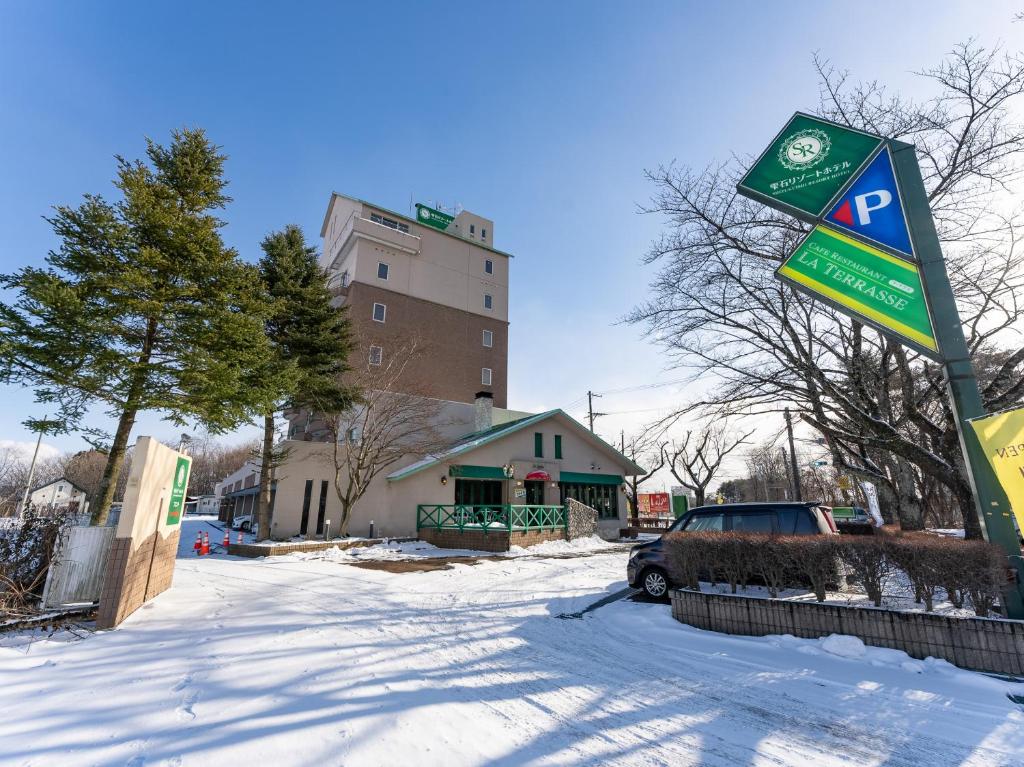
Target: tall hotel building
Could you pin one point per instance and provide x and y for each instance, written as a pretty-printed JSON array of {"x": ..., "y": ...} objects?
[{"x": 434, "y": 278}]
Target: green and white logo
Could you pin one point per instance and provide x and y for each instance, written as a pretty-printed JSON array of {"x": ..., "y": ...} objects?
[
  {"x": 424, "y": 213},
  {"x": 805, "y": 150}
]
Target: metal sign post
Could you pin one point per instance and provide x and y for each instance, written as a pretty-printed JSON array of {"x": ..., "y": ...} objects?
[
  {"x": 885, "y": 269},
  {"x": 990, "y": 501}
]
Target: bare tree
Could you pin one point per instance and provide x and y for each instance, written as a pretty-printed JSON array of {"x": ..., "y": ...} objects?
[
  {"x": 213, "y": 460},
  {"x": 695, "y": 461},
  {"x": 881, "y": 408},
  {"x": 390, "y": 421},
  {"x": 643, "y": 450}
]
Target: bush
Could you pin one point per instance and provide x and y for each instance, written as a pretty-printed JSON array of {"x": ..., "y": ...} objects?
[
  {"x": 816, "y": 560},
  {"x": 26, "y": 546},
  {"x": 869, "y": 562},
  {"x": 962, "y": 569}
]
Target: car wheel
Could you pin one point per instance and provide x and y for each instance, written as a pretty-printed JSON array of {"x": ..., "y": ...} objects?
[
  {"x": 654, "y": 583},
  {"x": 245, "y": 527}
]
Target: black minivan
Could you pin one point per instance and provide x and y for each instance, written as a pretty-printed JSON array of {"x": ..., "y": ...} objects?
[{"x": 648, "y": 570}]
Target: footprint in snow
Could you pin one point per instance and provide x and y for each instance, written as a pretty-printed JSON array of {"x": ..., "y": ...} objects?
[
  {"x": 183, "y": 683},
  {"x": 184, "y": 709}
]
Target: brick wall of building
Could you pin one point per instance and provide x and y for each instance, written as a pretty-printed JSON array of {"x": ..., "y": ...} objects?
[
  {"x": 454, "y": 353},
  {"x": 135, "y": 576},
  {"x": 982, "y": 644}
]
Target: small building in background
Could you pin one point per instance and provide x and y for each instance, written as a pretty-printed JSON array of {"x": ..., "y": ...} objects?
[{"x": 59, "y": 495}]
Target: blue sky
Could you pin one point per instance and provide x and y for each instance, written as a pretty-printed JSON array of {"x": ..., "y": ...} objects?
[{"x": 541, "y": 116}]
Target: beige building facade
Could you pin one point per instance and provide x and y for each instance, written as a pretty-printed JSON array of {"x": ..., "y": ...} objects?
[
  {"x": 406, "y": 282},
  {"x": 512, "y": 459}
]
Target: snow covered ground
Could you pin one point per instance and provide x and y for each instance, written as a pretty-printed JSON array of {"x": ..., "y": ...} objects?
[{"x": 287, "y": 661}]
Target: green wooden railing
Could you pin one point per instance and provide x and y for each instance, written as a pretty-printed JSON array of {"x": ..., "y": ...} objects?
[{"x": 491, "y": 517}]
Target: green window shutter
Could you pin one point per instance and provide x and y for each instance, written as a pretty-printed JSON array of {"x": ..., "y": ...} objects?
[
  {"x": 558, "y": 446},
  {"x": 538, "y": 445}
]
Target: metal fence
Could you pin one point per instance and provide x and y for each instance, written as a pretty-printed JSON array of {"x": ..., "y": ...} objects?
[
  {"x": 78, "y": 566},
  {"x": 497, "y": 517}
]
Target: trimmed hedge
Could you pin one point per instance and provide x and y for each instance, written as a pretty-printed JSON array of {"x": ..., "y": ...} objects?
[{"x": 972, "y": 571}]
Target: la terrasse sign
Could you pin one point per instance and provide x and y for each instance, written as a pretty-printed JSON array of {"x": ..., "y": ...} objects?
[
  {"x": 878, "y": 288},
  {"x": 817, "y": 171}
]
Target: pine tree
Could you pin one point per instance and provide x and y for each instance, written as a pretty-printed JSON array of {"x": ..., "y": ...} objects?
[
  {"x": 310, "y": 338},
  {"x": 142, "y": 306}
]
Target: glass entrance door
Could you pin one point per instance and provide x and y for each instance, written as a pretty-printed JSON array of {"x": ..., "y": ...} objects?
[{"x": 534, "y": 493}]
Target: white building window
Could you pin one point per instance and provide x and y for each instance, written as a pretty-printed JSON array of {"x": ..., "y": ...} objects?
[
  {"x": 488, "y": 301},
  {"x": 483, "y": 234},
  {"x": 489, "y": 266},
  {"x": 488, "y": 339},
  {"x": 485, "y": 376},
  {"x": 379, "y": 312},
  {"x": 376, "y": 354},
  {"x": 389, "y": 222},
  {"x": 382, "y": 270}
]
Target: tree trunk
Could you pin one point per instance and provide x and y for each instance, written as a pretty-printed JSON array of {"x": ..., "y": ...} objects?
[
  {"x": 911, "y": 513},
  {"x": 112, "y": 469},
  {"x": 965, "y": 499},
  {"x": 266, "y": 469},
  {"x": 698, "y": 496},
  {"x": 115, "y": 458}
]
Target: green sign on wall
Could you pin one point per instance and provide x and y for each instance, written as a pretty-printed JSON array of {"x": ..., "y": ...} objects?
[
  {"x": 178, "y": 487},
  {"x": 882, "y": 290},
  {"x": 806, "y": 165},
  {"x": 431, "y": 217}
]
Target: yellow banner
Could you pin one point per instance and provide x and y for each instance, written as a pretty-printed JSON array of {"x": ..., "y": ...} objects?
[{"x": 1002, "y": 439}]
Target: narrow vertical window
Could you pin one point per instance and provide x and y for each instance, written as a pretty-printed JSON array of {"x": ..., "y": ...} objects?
[
  {"x": 558, "y": 446},
  {"x": 304, "y": 524},
  {"x": 321, "y": 510},
  {"x": 538, "y": 445},
  {"x": 485, "y": 376},
  {"x": 376, "y": 354},
  {"x": 489, "y": 266},
  {"x": 382, "y": 270},
  {"x": 488, "y": 301},
  {"x": 488, "y": 339},
  {"x": 379, "y": 312}
]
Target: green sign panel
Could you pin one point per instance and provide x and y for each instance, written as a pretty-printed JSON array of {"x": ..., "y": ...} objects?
[
  {"x": 806, "y": 165},
  {"x": 178, "y": 487},
  {"x": 431, "y": 217},
  {"x": 864, "y": 282}
]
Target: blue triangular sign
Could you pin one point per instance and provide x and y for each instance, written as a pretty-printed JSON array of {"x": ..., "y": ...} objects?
[{"x": 872, "y": 207}]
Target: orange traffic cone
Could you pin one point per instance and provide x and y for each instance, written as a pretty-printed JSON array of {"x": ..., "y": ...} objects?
[
  {"x": 240, "y": 539},
  {"x": 199, "y": 544},
  {"x": 206, "y": 544},
  {"x": 227, "y": 540}
]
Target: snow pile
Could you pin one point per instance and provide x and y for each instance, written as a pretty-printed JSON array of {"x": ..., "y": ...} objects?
[
  {"x": 844, "y": 646},
  {"x": 593, "y": 543},
  {"x": 386, "y": 551}
]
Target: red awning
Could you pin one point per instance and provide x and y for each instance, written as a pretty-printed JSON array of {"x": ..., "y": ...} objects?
[{"x": 541, "y": 475}]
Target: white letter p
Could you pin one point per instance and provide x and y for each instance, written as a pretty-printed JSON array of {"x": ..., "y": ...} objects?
[{"x": 864, "y": 210}]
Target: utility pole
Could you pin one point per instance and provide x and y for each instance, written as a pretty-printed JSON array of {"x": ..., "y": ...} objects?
[
  {"x": 31, "y": 471},
  {"x": 991, "y": 503},
  {"x": 794, "y": 469},
  {"x": 590, "y": 409}
]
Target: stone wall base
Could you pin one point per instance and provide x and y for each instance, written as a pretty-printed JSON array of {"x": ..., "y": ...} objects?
[
  {"x": 495, "y": 540},
  {"x": 980, "y": 644},
  {"x": 134, "y": 577}
]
